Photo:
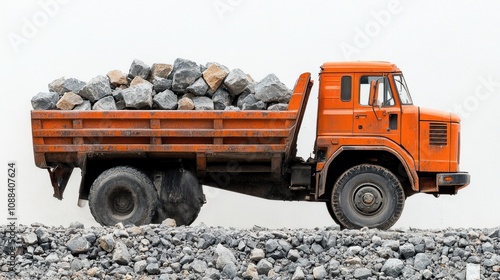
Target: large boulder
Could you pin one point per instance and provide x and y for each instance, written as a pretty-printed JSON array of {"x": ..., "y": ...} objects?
[
  {"x": 96, "y": 89},
  {"x": 181, "y": 63},
  {"x": 118, "y": 96},
  {"x": 139, "y": 68},
  {"x": 139, "y": 96},
  {"x": 221, "y": 99},
  {"x": 68, "y": 101},
  {"x": 161, "y": 84},
  {"x": 73, "y": 85},
  {"x": 117, "y": 78},
  {"x": 57, "y": 85},
  {"x": 138, "y": 80},
  {"x": 160, "y": 70},
  {"x": 236, "y": 81},
  {"x": 105, "y": 104},
  {"x": 250, "y": 102},
  {"x": 259, "y": 105},
  {"x": 241, "y": 98},
  {"x": 214, "y": 76},
  {"x": 203, "y": 103},
  {"x": 271, "y": 89},
  {"x": 185, "y": 77},
  {"x": 198, "y": 88},
  {"x": 278, "y": 107},
  {"x": 232, "y": 108},
  {"x": 45, "y": 101},
  {"x": 63, "y": 85},
  {"x": 185, "y": 103},
  {"x": 85, "y": 106},
  {"x": 165, "y": 100}
]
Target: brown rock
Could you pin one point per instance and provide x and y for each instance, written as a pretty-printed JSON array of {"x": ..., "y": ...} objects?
[
  {"x": 160, "y": 70},
  {"x": 117, "y": 78},
  {"x": 92, "y": 271},
  {"x": 135, "y": 230},
  {"x": 69, "y": 101},
  {"x": 138, "y": 80},
  {"x": 214, "y": 75},
  {"x": 169, "y": 223},
  {"x": 185, "y": 103}
]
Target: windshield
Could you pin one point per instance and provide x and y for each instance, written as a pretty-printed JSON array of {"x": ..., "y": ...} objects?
[{"x": 404, "y": 94}]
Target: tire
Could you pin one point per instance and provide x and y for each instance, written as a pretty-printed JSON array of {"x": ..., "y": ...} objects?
[
  {"x": 181, "y": 197},
  {"x": 332, "y": 214},
  {"x": 367, "y": 196},
  {"x": 123, "y": 195}
]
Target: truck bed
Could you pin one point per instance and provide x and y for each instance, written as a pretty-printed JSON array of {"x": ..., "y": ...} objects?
[{"x": 70, "y": 137}]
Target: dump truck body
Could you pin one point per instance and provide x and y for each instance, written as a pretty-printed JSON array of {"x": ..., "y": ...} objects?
[{"x": 222, "y": 145}]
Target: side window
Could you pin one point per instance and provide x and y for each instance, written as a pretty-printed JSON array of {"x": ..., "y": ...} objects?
[
  {"x": 385, "y": 97},
  {"x": 346, "y": 88}
]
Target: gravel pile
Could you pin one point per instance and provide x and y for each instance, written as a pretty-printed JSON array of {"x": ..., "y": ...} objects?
[
  {"x": 200, "y": 252},
  {"x": 185, "y": 85}
]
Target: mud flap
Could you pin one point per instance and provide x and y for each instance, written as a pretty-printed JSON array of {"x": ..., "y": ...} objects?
[
  {"x": 59, "y": 177},
  {"x": 181, "y": 197}
]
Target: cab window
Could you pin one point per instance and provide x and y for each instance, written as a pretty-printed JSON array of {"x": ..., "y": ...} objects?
[{"x": 385, "y": 96}]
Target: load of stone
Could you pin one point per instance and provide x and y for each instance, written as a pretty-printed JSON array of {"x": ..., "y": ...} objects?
[
  {"x": 185, "y": 85},
  {"x": 164, "y": 251}
]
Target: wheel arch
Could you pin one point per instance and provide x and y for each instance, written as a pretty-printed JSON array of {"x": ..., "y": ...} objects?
[{"x": 349, "y": 156}]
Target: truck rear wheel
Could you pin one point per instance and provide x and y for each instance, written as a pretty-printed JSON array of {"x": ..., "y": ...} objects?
[
  {"x": 123, "y": 194},
  {"x": 367, "y": 195},
  {"x": 181, "y": 197}
]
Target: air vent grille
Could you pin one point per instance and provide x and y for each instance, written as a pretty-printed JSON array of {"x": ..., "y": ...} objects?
[{"x": 438, "y": 134}]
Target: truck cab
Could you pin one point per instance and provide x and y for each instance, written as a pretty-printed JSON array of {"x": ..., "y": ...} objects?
[{"x": 366, "y": 117}]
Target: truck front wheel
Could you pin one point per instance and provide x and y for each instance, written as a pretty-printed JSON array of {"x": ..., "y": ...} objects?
[
  {"x": 123, "y": 194},
  {"x": 367, "y": 195}
]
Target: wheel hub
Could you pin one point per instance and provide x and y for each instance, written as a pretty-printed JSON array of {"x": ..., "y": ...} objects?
[
  {"x": 368, "y": 199},
  {"x": 122, "y": 203}
]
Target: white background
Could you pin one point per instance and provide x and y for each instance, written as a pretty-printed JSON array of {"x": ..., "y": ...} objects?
[{"x": 448, "y": 51}]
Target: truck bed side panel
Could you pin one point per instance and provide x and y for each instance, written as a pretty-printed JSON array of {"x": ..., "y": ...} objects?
[{"x": 68, "y": 136}]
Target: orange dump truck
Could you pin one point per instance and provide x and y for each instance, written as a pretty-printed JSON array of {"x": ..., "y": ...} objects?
[{"x": 374, "y": 148}]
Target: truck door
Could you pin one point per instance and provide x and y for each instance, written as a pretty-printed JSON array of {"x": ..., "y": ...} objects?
[{"x": 381, "y": 116}]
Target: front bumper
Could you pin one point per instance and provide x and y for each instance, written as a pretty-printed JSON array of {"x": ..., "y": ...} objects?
[{"x": 458, "y": 180}]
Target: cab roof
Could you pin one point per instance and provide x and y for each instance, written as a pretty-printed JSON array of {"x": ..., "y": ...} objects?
[{"x": 359, "y": 66}]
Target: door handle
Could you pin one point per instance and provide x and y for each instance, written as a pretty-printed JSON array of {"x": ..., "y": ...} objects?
[{"x": 359, "y": 116}]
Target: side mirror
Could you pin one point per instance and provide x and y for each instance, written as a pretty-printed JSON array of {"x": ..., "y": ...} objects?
[{"x": 373, "y": 93}]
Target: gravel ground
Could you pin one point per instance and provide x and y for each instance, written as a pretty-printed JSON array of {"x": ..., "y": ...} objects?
[{"x": 202, "y": 252}]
